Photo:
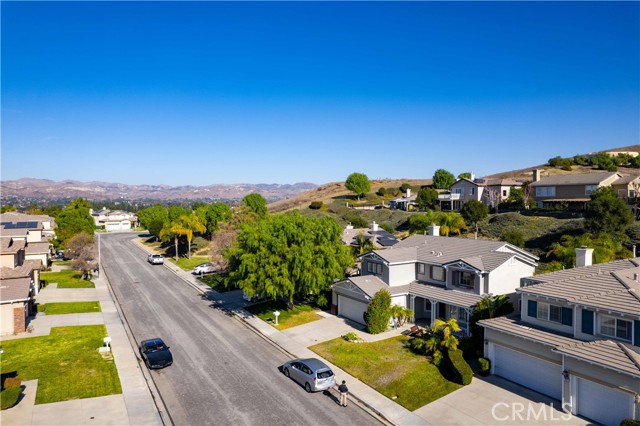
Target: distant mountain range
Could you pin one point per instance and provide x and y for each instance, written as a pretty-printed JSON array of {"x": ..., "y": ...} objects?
[{"x": 48, "y": 190}]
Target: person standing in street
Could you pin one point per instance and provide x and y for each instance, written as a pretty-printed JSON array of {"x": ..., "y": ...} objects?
[{"x": 344, "y": 390}]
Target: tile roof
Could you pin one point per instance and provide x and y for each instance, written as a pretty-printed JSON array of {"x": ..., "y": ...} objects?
[
  {"x": 9, "y": 245},
  {"x": 14, "y": 289},
  {"x": 22, "y": 217},
  {"x": 575, "y": 179},
  {"x": 381, "y": 238},
  {"x": 612, "y": 286},
  {"x": 440, "y": 294},
  {"x": 512, "y": 325},
  {"x": 606, "y": 353},
  {"x": 625, "y": 180},
  {"x": 482, "y": 254},
  {"x": 24, "y": 270},
  {"x": 371, "y": 284},
  {"x": 33, "y": 248},
  {"x": 13, "y": 232}
]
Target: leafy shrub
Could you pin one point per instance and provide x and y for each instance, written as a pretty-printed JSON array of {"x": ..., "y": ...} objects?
[
  {"x": 9, "y": 397},
  {"x": 351, "y": 337},
  {"x": 378, "y": 312},
  {"x": 630, "y": 422},
  {"x": 404, "y": 187},
  {"x": 485, "y": 366},
  {"x": 514, "y": 237},
  {"x": 199, "y": 243},
  {"x": 418, "y": 345},
  {"x": 315, "y": 205},
  {"x": 382, "y": 192},
  {"x": 322, "y": 300},
  {"x": 355, "y": 219},
  {"x": 387, "y": 228},
  {"x": 458, "y": 368}
]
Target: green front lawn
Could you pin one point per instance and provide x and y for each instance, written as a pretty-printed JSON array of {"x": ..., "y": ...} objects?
[
  {"x": 67, "y": 278},
  {"x": 188, "y": 264},
  {"x": 298, "y": 315},
  {"x": 390, "y": 368},
  {"x": 218, "y": 282},
  {"x": 66, "y": 363},
  {"x": 69, "y": 308}
]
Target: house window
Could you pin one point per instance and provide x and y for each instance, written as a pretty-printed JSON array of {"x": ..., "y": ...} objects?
[
  {"x": 545, "y": 191},
  {"x": 458, "y": 191},
  {"x": 437, "y": 273},
  {"x": 463, "y": 316},
  {"x": 472, "y": 191},
  {"x": 421, "y": 268},
  {"x": 615, "y": 327},
  {"x": 504, "y": 192},
  {"x": 549, "y": 312},
  {"x": 374, "y": 268},
  {"x": 466, "y": 279},
  {"x": 588, "y": 189}
]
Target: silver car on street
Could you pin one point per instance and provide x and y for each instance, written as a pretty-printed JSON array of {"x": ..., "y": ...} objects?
[{"x": 311, "y": 373}]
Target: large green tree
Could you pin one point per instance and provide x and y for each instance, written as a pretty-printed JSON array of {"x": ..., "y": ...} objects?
[
  {"x": 426, "y": 198},
  {"x": 358, "y": 183},
  {"x": 255, "y": 203},
  {"x": 211, "y": 215},
  {"x": 288, "y": 254},
  {"x": 474, "y": 212},
  {"x": 443, "y": 179},
  {"x": 607, "y": 214},
  {"x": 153, "y": 219},
  {"x": 419, "y": 223},
  {"x": 450, "y": 223},
  {"x": 74, "y": 219}
]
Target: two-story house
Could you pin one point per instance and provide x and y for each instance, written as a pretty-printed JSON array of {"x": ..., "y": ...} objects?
[
  {"x": 491, "y": 192},
  {"x": 46, "y": 223},
  {"x": 37, "y": 246},
  {"x": 577, "y": 338},
  {"x": 436, "y": 277},
  {"x": 114, "y": 220},
  {"x": 575, "y": 190},
  {"x": 19, "y": 284}
]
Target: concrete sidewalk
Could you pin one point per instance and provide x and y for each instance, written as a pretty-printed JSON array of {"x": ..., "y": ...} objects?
[{"x": 134, "y": 406}]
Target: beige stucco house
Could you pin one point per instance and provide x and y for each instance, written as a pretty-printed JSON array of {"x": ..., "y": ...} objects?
[
  {"x": 577, "y": 338},
  {"x": 436, "y": 277},
  {"x": 491, "y": 192}
]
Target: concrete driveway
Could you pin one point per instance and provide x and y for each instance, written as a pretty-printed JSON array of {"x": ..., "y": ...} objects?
[{"x": 496, "y": 401}]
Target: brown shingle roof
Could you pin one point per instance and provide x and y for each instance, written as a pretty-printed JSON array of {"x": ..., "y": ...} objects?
[
  {"x": 514, "y": 326},
  {"x": 24, "y": 270},
  {"x": 14, "y": 289},
  {"x": 9, "y": 245},
  {"x": 33, "y": 248}
]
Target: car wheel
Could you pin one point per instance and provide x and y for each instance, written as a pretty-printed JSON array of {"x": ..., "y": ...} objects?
[
  {"x": 286, "y": 372},
  {"x": 307, "y": 387}
]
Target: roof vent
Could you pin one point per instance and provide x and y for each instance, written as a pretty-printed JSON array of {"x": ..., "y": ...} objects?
[
  {"x": 439, "y": 253},
  {"x": 635, "y": 277},
  {"x": 433, "y": 252}
]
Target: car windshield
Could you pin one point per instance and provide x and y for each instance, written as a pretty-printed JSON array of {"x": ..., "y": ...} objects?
[{"x": 325, "y": 374}]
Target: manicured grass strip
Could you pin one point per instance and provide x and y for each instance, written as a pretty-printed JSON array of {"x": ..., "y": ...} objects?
[
  {"x": 69, "y": 308},
  {"x": 187, "y": 264},
  {"x": 66, "y": 363},
  {"x": 67, "y": 278},
  {"x": 390, "y": 368},
  {"x": 298, "y": 315}
]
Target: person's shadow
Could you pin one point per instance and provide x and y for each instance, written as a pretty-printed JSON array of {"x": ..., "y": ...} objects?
[{"x": 331, "y": 395}]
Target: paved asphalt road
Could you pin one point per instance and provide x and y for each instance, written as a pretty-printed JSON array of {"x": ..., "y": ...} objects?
[{"x": 223, "y": 373}]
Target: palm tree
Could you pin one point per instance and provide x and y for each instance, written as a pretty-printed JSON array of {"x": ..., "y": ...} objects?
[
  {"x": 187, "y": 225},
  {"x": 450, "y": 223},
  {"x": 447, "y": 329},
  {"x": 167, "y": 233},
  {"x": 365, "y": 244}
]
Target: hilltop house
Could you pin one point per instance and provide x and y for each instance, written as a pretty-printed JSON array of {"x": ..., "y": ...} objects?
[
  {"x": 575, "y": 190},
  {"x": 491, "y": 192},
  {"x": 577, "y": 338},
  {"x": 436, "y": 277}
]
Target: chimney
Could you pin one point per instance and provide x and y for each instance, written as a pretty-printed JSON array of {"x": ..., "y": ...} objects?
[
  {"x": 434, "y": 230},
  {"x": 472, "y": 178},
  {"x": 408, "y": 192},
  {"x": 348, "y": 227},
  {"x": 584, "y": 256},
  {"x": 374, "y": 226},
  {"x": 536, "y": 175}
]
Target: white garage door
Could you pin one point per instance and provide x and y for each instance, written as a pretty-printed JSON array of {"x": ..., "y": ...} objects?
[
  {"x": 529, "y": 371},
  {"x": 601, "y": 403},
  {"x": 352, "y": 309}
]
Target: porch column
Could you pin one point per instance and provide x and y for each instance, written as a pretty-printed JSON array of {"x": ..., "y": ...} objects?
[
  {"x": 434, "y": 309},
  {"x": 412, "y": 306},
  {"x": 468, "y": 327}
]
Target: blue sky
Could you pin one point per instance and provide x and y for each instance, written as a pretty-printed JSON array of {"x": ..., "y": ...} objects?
[{"x": 239, "y": 92}]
